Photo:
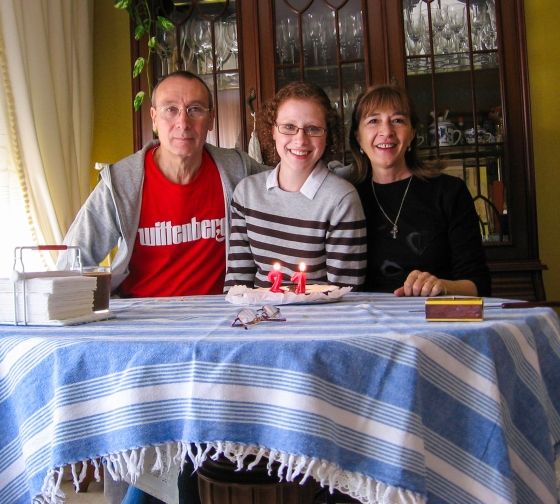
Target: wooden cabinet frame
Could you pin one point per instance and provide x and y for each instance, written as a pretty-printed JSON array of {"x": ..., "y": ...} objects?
[{"x": 516, "y": 268}]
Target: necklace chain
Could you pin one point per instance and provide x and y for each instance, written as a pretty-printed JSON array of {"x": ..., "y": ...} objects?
[{"x": 395, "y": 229}]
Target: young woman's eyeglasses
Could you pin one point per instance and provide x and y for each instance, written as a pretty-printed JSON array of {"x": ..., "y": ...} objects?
[
  {"x": 267, "y": 313},
  {"x": 292, "y": 129},
  {"x": 172, "y": 112}
]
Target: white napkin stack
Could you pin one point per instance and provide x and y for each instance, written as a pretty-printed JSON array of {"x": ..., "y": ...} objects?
[{"x": 48, "y": 297}]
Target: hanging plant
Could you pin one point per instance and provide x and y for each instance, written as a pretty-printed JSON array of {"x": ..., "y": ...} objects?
[{"x": 145, "y": 22}]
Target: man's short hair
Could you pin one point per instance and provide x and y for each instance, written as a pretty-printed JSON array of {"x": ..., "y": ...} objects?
[{"x": 185, "y": 74}]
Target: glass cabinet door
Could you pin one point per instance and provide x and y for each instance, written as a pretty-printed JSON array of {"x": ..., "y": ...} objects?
[
  {"x": 453, "y": 74},
  {"x": 322, "y": 42},
  {"x": 205, "y": 42}
]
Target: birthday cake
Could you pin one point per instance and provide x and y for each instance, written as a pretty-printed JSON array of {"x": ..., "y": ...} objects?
[{"x": 314, "y": 293}]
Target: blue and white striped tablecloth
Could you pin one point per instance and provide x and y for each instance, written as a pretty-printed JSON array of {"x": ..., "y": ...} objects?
[{"x": 363, "y": 395}]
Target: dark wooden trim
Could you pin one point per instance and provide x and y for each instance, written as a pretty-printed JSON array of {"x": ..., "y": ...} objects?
[
  {"x": 531, "y": 265},
  {"x": 395, "y": 43},
  {"x": 266, "y": 53}
]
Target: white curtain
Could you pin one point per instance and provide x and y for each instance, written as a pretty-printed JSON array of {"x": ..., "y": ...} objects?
[{"x": 47, "y": 108}]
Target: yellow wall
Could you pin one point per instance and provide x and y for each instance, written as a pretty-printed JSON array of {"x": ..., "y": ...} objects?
[
  {"x": 113, "y": 116},
  {"x": 112, "y": 133},
  {"x": 543, "y": 43}
]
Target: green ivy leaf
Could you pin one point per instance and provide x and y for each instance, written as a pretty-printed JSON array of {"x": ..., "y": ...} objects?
[
  {"x": 152, "y": 43},
  {"x": 165, "y": 24},
  {"x": 139, "y": 31},
  {"x": 122, "y": 4},
  {"x": 138, "y": 100},
  {"x": 138, "y": 67}
]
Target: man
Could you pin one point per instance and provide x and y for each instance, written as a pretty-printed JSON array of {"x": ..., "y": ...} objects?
[{"x": 166, "y": 207}]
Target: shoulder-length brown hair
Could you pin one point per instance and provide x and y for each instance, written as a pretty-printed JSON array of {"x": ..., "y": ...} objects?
[
  {"x": 266, "y": 119},
  {"x": 397, "y": 98}
]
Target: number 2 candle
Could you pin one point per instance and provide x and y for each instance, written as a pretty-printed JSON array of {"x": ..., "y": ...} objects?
[{"x": 275, "y": 278}]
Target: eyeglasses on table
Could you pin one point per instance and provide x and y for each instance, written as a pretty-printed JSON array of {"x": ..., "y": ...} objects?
[{"x": 267, "y": 313}]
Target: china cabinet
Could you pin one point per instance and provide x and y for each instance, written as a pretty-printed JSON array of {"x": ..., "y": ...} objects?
[{"x": 463, "y": 61}]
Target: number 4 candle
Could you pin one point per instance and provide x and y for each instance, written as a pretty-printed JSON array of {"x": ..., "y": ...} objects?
[
  {"x": 275, "y": 278},
  {"x": 299, "y": 278}
]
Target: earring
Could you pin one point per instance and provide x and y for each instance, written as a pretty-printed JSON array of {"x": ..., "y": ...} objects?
[
  {"x": 361, "y": 150},
  {"x": 408, "y": 149}
]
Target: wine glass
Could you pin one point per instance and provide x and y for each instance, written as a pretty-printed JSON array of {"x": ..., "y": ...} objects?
[
  {"x": 348, "y": 29},
  {"x": 288, "y": 30},
  {"x": 202, "y": 38},
  {"x": 415, "y": 30},
  {"x": 326, "y": 35},
  {"x": 312, "y": 34},
  {"x": 166, "y": 50},
  {"x": 221, "y": 43},
  {"x": 477, "y": 25},
  {"x": 186, "y": 48},
  {"x": 358, "y": 34},
  {"x": 231, "y": 37},
  {"x": 439, "y": 18}
]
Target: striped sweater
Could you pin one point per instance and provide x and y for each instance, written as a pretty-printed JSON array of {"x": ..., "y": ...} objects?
[{"x": 322, "y": 225}]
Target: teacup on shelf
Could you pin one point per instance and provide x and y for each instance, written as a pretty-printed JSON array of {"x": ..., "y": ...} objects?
[{"x": 484, "y": 137}]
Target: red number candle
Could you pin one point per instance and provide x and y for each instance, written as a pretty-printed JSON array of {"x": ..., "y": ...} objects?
[
  {"x": 275, "y": 278},
  {"x": 299, "y": 278}
]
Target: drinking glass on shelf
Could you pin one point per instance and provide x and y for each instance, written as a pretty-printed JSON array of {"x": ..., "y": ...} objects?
[
  {"x": 351, "y": 36},
  {"x": 415, "y": 32},
  {"x": 231, "y": 37},
  {"x": 288, "y": 39},
  {"x": 357, "y": 34},
  {"x": 166, "y": 51},
  {"x": 312, "y": 29},
  {"x": 346, "y": 43},
  {"x": 187, "y": 51},
  {"x": 222, "y": 46},
  {"x": 457, "y": 24},
  {"x": 202, "y": 40},
  {"x": 447, "y": 41},
  {"x": 439, "y": 18},
  {"x": 477, "y": 13},
  {"x": 326, "y": 34},
  {"x": 280, "y": 49}
]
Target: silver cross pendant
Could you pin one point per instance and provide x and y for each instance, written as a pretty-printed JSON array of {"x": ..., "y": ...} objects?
[{"x": 394, "y": 231}]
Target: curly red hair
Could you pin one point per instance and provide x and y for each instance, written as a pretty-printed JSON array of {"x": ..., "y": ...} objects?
[{"x": 266, "y": 119}]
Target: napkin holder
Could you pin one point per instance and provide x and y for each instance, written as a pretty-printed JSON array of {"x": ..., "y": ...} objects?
[
  {"x": 454, "y": 309},
  {"x": 20, "y": 276}
]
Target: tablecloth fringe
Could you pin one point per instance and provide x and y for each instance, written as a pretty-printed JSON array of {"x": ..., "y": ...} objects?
[{"x": 130, "y": 464}]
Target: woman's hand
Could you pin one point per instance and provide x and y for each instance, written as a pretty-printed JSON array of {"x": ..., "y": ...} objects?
[{"x": 422, "y": 283}]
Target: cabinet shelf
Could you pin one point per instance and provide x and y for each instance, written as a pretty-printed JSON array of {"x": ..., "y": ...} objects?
[
  {"x": 457, "y": 63},
  {"x": 462, "y": 151}
]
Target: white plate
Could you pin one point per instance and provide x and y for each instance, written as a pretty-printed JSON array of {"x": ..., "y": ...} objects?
[{"x": 241, "y": 295}]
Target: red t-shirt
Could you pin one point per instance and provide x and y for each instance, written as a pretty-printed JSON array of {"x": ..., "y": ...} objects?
[{"x": 180, "y": 243}]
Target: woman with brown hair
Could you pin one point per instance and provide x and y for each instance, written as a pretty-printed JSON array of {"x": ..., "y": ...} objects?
[{"x": 422, "y": 227}]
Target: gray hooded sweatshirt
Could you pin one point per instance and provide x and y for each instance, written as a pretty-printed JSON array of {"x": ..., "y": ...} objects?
[{"x": 109, "y": 218}]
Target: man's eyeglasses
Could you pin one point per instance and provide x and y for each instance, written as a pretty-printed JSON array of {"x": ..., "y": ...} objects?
[
  {"x": 172, "y": 112},
  {"x": 292, "y": 129},
  {"x": 267, "y": 313}
]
